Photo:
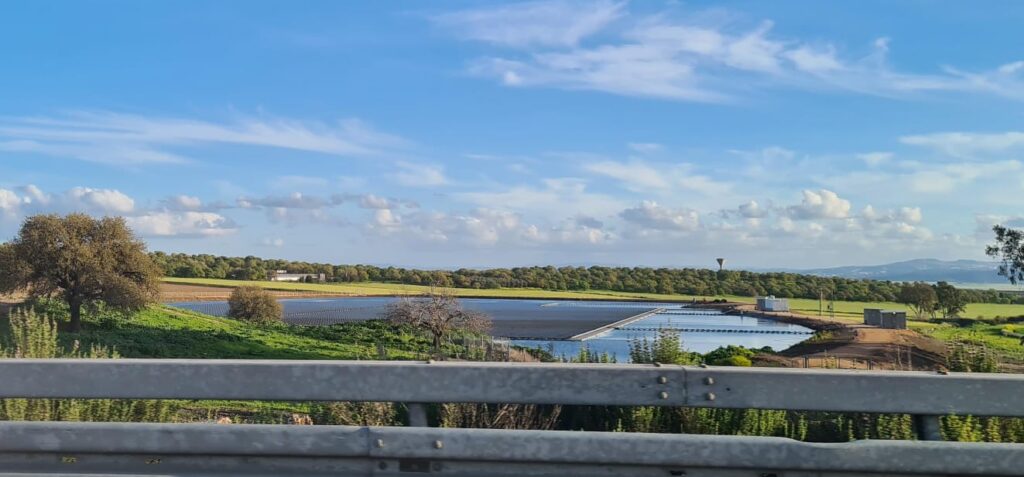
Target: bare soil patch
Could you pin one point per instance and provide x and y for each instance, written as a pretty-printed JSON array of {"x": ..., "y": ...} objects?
[
  {"x": 854, "y": 346},
  {"x": 173, "y": 293}
]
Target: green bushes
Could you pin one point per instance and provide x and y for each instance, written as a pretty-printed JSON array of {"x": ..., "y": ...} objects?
[
  {"x": 35, "y": 336},
  {"x": 729, "y": 356},
  {"x": 666, "y": 349},
  {"x": 255, "y": 305}
]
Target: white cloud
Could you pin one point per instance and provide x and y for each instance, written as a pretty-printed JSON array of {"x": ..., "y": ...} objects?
[
  {"x": 874, "y": 159},
  {"x": 78, "y": 199},
  {"x": 185, "y": 202},
  {"x": 371, "y": 201},
  {"x": 646, "y": 147},
  {"x": 127, "y": 139},
  {"x": 551, "y": 23},
  {"x": 967, "y": 145},
  {"x": 420, "y": 175},
  {"x": 823, "y": 204},
  {"x": 637, "y": 175},
  {"x": 650, "y": 215},
  {"x": 386, "y": 218},
  {"x": 946, "y": 178},
  {"x": 483, "y": 228},
  {"x": 696, "y": 58},
  {"x": 752, "y": 210},
  {"x": 9, "y": 201},
  {"x": 102, "y": 200},
  {"x": 814, "y": 60},
  {"x": 299, "y": 182},
  {"x": 275, "y": 242},
  {"x": 640, "y": 176},
  {"x": 295, "y": 200},
  {"x": 568, "y": 196},
  {"x": 905, "y": 215},
  {"x": 181, "y": 224}
]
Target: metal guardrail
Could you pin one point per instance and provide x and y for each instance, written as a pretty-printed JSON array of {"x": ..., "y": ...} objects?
[{"x": 192, "y": 449}]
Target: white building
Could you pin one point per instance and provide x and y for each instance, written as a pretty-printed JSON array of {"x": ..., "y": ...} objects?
[
  {"x": 284, "y": 276},
  {"x": 770, "y": 303}
]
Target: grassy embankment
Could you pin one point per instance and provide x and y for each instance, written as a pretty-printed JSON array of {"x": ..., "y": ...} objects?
[{"x": 165, "y": 332}]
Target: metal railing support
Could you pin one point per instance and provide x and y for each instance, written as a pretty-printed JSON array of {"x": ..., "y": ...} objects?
[
  {"x": 417, "y": 414},
  {"x": 928, "y": 427}
]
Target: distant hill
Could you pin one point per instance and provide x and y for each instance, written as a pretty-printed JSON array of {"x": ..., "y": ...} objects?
[{"x": 925, "y": 269}]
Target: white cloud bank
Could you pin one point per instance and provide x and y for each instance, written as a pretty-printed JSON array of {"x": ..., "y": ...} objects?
[
  {"x": 162, "y": 222},
  {"x": 132, "y": 139},
  {"x": 599, "y": 46}
]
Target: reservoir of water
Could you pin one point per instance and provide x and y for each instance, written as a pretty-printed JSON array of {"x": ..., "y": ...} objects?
[{"x": 549, "y": 324}]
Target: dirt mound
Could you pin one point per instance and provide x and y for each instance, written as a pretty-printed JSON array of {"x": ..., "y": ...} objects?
[{"x": 861, "y": 346}]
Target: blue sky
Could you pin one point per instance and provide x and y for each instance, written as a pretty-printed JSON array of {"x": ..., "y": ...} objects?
[{"x": 447, "y": 134}]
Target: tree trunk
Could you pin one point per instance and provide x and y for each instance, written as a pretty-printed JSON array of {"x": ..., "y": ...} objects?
[{"x": 76, "y": 315}]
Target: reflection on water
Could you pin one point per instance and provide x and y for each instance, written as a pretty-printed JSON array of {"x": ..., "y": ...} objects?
[{"x": 701, "y": 333}]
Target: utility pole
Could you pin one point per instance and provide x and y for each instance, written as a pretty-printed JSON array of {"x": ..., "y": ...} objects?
[{"x": 821, "y": 298}]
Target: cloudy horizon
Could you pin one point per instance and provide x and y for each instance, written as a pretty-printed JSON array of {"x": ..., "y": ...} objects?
[{"x": 484, "y": 134}]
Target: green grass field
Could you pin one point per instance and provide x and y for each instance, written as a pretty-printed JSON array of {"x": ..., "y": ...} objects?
[
  {"x": 847, "y": 311},
  {"x": 166, "y": 332}
]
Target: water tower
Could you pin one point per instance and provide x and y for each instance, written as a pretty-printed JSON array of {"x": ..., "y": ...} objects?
[{"x": 721, "y": 263}]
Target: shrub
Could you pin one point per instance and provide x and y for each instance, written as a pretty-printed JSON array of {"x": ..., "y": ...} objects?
[
  {"x": 254, "y": 304},
  {"x": 735, "y": 360},
  {"x": 35, "y": 336},
  {"x": 731, "y": 355}
]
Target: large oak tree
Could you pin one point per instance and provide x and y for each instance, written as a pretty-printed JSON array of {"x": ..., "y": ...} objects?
[{"x": 82, "y": 260}]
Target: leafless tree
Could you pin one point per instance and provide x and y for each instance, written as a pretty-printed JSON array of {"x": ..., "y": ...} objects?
[{"x": 439, "y": 313}]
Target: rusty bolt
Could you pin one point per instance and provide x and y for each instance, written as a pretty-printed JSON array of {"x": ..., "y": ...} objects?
[
  {"x": 662, "y": 379},
  {"x": 709, "y": 396},
  {"x": 663, "y": 395},
  {"x": 709, "y": 380},
  {"x": 438, "y": 444}
]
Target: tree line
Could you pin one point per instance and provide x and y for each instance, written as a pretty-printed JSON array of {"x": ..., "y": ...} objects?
[{"x": 686, "y": 281}]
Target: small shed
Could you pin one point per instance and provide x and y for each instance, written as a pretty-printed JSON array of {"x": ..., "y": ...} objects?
[
  {"x": 770, "y": 303},
  {"x": 890, "y": 319}
]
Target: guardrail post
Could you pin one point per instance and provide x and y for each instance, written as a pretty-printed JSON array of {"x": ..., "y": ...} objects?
[
  {"x": 928, "y": 427},
  {"x": 417, "y": 414}
]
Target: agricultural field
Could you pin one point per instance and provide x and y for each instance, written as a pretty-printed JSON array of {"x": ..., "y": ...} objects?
[
  {"x": 847, "y": 311},
  {"x": 854, "y": 310},
  {"x": 391, "y": 289}
]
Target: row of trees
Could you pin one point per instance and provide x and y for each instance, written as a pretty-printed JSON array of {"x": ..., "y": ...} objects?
[
  {"x": 931, "y": 300},
  {"x": 689, "y": 281}
]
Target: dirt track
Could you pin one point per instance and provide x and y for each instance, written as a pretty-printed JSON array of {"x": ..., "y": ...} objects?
[
  {"x": 855, "y": 345},
  {"x": 173, "y": 292}
]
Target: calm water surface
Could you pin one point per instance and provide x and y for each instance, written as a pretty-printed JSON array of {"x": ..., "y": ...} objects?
[{"x": 547, "y": 324}]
